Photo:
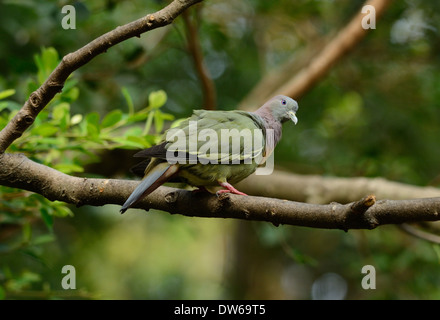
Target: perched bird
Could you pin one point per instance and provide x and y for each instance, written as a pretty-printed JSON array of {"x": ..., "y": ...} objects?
[{"x": 214, "y": 148}]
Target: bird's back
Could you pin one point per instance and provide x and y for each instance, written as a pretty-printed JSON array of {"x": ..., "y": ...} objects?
[{"x": 218, "y": 137}]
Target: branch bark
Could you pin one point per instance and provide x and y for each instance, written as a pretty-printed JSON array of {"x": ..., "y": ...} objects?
[
  {"x": 72, "y": 61},
  {"x": 367, "y": 213}
]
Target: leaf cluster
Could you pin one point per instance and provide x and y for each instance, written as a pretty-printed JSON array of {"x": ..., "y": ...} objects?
[{"x": 65, "y": 141}]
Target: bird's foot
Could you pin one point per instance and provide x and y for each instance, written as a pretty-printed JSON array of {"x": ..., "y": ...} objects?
[{"x": 229, "y": 189}]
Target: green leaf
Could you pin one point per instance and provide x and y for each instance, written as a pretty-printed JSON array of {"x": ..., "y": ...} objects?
[
  {"x": 68, "y": 167},
  {"x": 24, "y": 281},
  {"x": 70, "y": 95},
  {"x": 138, "y": 116},
  {"x": 126, "y": 143},
  {"x": 48, "y": 143},
  {"x": 157, "y": 99},
  {"x": 134, "y": 131},
  {"x": 167, "y": 116},
  {"x": 92, "y": 124},
  {"x": 61, "y": 209},
  {"x": 158, "y": 121},
  {"x": 45, "y": 130},
  {"x": 31, "y": 86},
  {"x": 44, "y": 238},
  {"x": 52, "y": 155},
  {"x": 12, "y": 114},
  {"x": 151, "y": 139},
  {"x": 46, "y": 63},
  {"x": 139, "y": 140},
  {"x": 6, "y": 93},
  {"x": 148, "y": 122},
  {"x": 11, "y": 105},
  {"x": 93, "y": 118},
  {"x": 128, "y": 99},
  {"x": 92, "y": 130},
  {"x": 111, "y": 118},
  {"x": 70, "y": 84},
  {"x": 27, "y": 232},
  {"x": 42, "y": 117},
  {"x": 47, "y": 218},
  {"x": 61, "y": 111},
  {"x": 3, "y": 105}
]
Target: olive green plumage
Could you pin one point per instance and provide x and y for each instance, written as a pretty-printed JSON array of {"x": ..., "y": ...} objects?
[{"x": 215, "y": 148}]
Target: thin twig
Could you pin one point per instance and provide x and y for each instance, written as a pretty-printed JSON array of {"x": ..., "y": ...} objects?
[
  {"x": 194, "y": 47},
  {"x": 427, "y": 236}
]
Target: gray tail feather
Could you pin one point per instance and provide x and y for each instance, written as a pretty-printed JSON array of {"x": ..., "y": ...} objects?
[{"x": 142, "y": 188}]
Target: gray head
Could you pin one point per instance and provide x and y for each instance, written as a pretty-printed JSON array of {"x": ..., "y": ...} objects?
[{"x": 281, "y": 108}]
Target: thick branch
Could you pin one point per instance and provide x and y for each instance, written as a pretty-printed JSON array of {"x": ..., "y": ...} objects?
[
  {"x": 320, "y": 190},
  {"x": 18, "y": 171},
  {"x": 55, "y": 83}
]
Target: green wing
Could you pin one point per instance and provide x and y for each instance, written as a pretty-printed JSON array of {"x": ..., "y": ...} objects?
[{"x": 218, "y": 137}]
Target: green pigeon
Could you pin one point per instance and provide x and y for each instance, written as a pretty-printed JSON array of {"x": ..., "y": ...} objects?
[{"x": 213, "y": 149}]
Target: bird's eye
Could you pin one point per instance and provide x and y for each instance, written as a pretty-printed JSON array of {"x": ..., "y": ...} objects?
[{"x": 283, "y": 102}]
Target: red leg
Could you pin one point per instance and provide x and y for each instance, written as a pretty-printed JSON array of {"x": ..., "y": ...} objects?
[{"x": 229, "y": 188}]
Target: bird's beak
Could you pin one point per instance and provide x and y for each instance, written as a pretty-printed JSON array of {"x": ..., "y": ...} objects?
[{"x": 293, "y": 117}]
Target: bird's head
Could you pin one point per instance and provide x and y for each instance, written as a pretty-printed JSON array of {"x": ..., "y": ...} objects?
[{"x": 282, "y": 108}]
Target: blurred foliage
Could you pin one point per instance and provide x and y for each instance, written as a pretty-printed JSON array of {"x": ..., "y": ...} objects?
[
  {"x": 66, "y": 143},
  {"x": 374, "y": 114}
]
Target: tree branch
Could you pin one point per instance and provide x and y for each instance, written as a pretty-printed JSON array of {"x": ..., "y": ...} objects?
[
  {"x": 415, "y": 232},
  {"x": 320, "y": 190},
  {"x": 282, "y": 82},
  {"x": 72, "y": 61},
  {"x": 194, "y": 47},
  {"x": 20, "y": 172}
]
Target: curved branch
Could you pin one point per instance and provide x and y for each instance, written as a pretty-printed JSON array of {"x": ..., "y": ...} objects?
[
  {"x": 18, "y": 171},
  {"x": 72, "y": 61},
  {"x": 303, "y": 80}
]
